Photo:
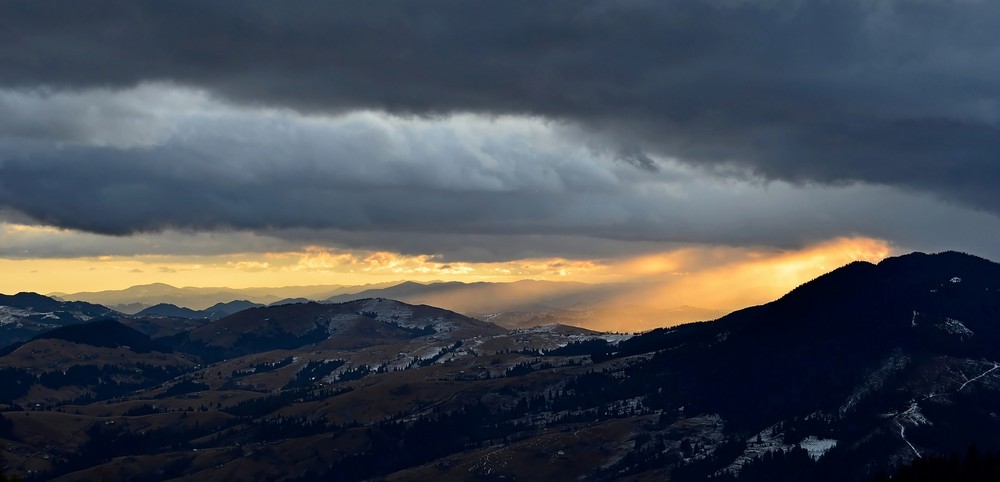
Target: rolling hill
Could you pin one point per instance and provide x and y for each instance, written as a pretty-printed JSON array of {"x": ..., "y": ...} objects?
[
  {"x": 863, "y": 370},
  {"x": 200, "y": 298},
  {"x": 24, "y": 315},
  {"x": 352, "y": 324}
]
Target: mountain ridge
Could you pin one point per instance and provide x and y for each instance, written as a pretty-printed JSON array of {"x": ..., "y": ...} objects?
[
  {"x": 863, "y": 369},
  {"x": 357, "y": 323},
  {"x": 200, "y": 298}
]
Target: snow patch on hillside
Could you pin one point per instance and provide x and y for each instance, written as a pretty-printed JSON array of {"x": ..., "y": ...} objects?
[
  {"x": 402, "y": 362},
  {"x": 893, "y": 364},
  {"x": 429, "y": 352},
  {"x": 386, "y": 310},
  {"x": 550, "y": 328},
  {"x": 612, "y": 338},
  {"x": 335, "y": 322},
  {"x": 9, "y": 314},
  {"x": 398, "y": 313},
  {"x": 771, "y": 440},
  {"x": 913, "y": 416},
  {"x": 767, "y": 441},
  {"x": 12, "y": 315},
  {"x": 955, "y": 327},
  {"x": 977, "y": 377},
  {"x": 615, "y": 338},
  {"x": 817, "y": 447},
  {"x": 708, "y": 434},
  {"x": 627, "y": 407}
]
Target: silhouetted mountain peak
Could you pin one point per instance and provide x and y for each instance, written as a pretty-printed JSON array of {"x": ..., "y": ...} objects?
[
  {"x": 231, "y": 307},
  {"x": 409, "y": 284},
  {"x": 169, "y": 309},
  {"x": 29, "y": 300},
  {"x": 895, "y": 282},
  {"x": 156, "y": 285},
  {"x": 934, "y": 269},
  {"x": 845, "y": 278}
]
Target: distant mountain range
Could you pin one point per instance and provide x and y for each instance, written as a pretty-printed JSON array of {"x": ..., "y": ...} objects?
[
  {"x": 26, "y": 314},
  {"x": 519, "y": 304},
  {"x": 865, "y": 369},
  {"x": 134, "y": 299},
  {"x": 214, "y": 312},
  {"x": 487, "y": 298},
  {"x": 529, "y": 303}
]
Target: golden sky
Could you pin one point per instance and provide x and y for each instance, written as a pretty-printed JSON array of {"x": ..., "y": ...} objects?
[
  {"x": 160, "y": 168},
  {"x": 721, "y": 278}
]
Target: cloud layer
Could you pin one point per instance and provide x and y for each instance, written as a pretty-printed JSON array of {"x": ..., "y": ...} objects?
[
  {"x": 899, "y": 92},
  {"x": 503, "y": 130}
]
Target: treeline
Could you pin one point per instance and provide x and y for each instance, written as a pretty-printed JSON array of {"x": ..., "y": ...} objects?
[
  {"x": 396, "y": 445},
  {"x": 400, "y": 443},
  {"x": 973, "y": 467},
  {"x": 255, "y": 408},
  {"x": 104, "y": 381}
]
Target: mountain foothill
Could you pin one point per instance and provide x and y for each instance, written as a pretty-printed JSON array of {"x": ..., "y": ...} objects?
[{"x": 867, "y": 371}]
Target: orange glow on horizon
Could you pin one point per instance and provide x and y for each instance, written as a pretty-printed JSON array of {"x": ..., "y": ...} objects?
[
  {"x": 726, "y": 279},
  {"x": 680, "y": 285}
]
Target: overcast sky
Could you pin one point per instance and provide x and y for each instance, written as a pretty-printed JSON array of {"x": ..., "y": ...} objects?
[{"x": 493, "y": 132}]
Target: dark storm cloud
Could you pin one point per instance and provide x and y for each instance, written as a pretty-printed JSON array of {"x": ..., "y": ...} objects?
[
  {"x": 637, "y": 158},
  {"x": 901, "y": 92},
  {"x": 211, "y": 195},
  {"x": 119, "y": 192},
  {"x": 105, "y": 125}
]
